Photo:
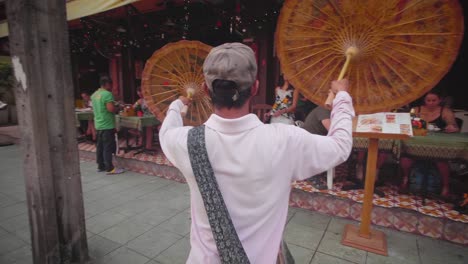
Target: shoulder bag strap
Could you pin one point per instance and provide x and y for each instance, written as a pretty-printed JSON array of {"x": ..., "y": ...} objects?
[{"x": 229, "y": 246}]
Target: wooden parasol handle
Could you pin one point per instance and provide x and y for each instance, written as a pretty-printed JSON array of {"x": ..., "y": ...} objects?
[
  {"x": 190, "y": 93},
  {"x": 350, "y": 53}
]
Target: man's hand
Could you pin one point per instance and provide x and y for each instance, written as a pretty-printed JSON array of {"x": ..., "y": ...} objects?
[
  {"x": 278, "y": 113},
  {"x": 111, "y": 107},
  {"x": 185, "y": 100},
  {"x": 341, "y": 85}
]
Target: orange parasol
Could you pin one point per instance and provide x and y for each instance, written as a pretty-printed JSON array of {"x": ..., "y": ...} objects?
[
  {"x": 400, "y": 49},
  {"x": 175, "y": 70}
]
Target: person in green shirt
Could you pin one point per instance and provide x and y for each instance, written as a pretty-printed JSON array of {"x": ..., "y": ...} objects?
[{"x": 104, "y": 122}]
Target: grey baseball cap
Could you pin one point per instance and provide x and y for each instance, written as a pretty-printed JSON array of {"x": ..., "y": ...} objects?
[{"x": 233, "y": 62}]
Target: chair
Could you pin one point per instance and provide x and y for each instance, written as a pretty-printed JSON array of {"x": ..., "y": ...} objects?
[
  {"x": 462, "y": 120},
  {"x": 459, "y": 122},
  {"x": 260, "y": 110},
  {"x": 299, "y": 123}
]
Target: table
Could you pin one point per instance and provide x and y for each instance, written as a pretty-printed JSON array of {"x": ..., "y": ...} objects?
[
  {"x": 135, "y": 122},
  {"x": 125, "y": 122},
  {"x": 362, "y": 144},
  {"x": 83, "y": 116},
  {"x": 437, "y": 145},
  {"x": 139, "y": 123}
]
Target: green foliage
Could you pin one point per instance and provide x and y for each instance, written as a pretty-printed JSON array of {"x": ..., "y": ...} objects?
[{"x": 7, "y": 94}]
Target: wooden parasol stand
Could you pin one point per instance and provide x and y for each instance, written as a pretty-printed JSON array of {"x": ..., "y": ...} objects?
[{"x": 363, "y": 237}]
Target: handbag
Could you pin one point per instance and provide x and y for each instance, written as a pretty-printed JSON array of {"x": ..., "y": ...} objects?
[{"x": 227, "y": 241}]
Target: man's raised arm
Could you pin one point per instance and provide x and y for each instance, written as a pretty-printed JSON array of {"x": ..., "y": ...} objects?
[{"x": 171, "y": 133}]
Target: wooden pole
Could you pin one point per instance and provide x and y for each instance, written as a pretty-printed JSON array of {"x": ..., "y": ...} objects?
[
  {"x": 363, "y": 237},
  {"x": 44, "y": 93},
  {"x": 373, "y": 148},
  {"x": 350, "y": 53}
]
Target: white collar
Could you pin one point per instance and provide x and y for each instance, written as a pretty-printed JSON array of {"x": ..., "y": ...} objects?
[{"x": 231, "y": 126}]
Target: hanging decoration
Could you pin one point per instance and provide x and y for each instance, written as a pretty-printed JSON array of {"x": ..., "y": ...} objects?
[
  {"x": 107, "y": 35},
  {"x": 186, "y": 19}
]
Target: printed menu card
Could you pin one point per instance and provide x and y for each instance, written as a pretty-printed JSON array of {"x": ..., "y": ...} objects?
[{"x": 388, "y": 122}]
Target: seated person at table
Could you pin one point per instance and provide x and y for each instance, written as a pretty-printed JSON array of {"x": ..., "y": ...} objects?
[
  {"x": 87, "y": 103},
  {"x": 86, "y": 97},
  {"x": 318, "y": 122},
  {"x": 433, "y": 112},
  {"x": 141, "y": 106}
]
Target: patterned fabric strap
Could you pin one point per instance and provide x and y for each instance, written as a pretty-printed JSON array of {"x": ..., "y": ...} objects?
[{"x": 229, "y": 246}]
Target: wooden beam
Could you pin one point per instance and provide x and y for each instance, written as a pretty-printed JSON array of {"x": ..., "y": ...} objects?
[{"x": 44, "y": 93}]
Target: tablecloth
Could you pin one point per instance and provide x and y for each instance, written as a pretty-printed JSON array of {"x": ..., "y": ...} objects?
[
  {"x": 437, "y": 145},
  {"x": 135, "y": 122}
]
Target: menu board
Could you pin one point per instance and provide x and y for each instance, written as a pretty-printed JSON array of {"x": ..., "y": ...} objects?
[{"x": 390, "y": 123}]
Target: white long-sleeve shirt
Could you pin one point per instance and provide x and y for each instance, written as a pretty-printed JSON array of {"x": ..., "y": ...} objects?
[{"x": 254, "y": 165}]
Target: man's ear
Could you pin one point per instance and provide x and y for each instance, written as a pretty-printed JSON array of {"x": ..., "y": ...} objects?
[
  {"x": 254, "y": 90},
  {"x": 206, "y": 90}
]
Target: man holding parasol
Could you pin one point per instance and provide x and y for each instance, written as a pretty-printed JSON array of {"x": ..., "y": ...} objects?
[{"x": 239, "y": 181}]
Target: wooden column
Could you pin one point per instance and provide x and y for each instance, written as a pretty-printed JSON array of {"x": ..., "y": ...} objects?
[
  {"x": 75, "y": 68},
  {"x": 128, "y": 75},
  {"x": 264, "y": 42},
  {"x": 115, "y": 73},
  {"x": 129, "y": 89},
  {"x": 44, "y": 92}
]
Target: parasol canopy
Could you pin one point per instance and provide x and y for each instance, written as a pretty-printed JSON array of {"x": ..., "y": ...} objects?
[
  {"x": 170, "y": 72},
  {"x": 405, "y": 47}
]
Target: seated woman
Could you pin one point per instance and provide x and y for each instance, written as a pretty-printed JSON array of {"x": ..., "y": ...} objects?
[
  {"x": 91, "y": 130},
  {"x": 433, "y": 112}
]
